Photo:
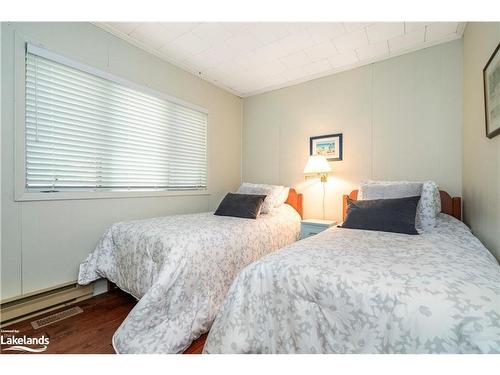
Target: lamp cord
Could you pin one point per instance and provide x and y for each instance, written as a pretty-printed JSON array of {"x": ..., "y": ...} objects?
[{"x": 324, "y": 183}]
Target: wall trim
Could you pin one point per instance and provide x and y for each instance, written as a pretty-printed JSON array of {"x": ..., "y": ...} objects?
[{"x": 39, "y": 302}]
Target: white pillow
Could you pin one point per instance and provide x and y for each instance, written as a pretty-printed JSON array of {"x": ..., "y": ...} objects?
[
  {"x": 272, "y": 193},
  {"x": 428, "y": 207},
  {"x": 389, "y": 189},
  {"x": 283, "y": 196}
]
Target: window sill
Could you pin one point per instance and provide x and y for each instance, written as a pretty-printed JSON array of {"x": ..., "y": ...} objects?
[{"x": 77, "y": 195}]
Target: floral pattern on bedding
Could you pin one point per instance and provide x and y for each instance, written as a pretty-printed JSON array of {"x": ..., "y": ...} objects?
[
  {"x": 180, "y": 267},
  {"x": 355, "y": 291}
]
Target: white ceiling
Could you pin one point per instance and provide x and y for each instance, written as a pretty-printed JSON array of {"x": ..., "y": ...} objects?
[{"x": 251, "y": 58}]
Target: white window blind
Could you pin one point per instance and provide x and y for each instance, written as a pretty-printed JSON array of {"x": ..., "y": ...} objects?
[{"x": 85, "y": 132}]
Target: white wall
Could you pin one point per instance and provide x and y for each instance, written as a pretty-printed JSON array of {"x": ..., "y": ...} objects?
[
  {"x": 401, "y": 119},
  {"x": 481, "y": 159},
  {"x": 43, "y": 242}
]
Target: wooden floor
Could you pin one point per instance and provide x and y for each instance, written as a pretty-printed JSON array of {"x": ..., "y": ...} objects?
[{"x": 91, "y": 331}]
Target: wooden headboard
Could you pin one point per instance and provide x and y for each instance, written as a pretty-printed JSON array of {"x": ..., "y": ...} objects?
[
  {"x": 295, "y": 200},
  {"x": 449, "y": 205}
]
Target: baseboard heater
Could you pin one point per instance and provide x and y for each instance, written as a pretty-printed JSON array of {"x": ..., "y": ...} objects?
[{"x": 27, "y": 306}]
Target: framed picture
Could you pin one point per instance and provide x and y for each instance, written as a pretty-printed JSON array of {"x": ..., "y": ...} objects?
[
  {"x": 491, "y": 77},
  {"x": 329, "y": 146}
]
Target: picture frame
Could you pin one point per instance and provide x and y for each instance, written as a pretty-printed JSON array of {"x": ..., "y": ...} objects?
[
  {"x": 491, "y": 82},
  {"x": 330, "y": 146}
]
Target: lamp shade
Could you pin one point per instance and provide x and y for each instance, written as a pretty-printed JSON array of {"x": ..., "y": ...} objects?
[{"x": 317, "y": 164}]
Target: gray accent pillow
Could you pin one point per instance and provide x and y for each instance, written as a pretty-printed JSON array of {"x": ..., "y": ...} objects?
[
  {"x": 247, "y": 206},
  {"x": 386, "y": 215}
]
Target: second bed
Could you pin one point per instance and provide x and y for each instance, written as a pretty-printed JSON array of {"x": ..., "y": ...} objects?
[{"x": 367, "y": 291}]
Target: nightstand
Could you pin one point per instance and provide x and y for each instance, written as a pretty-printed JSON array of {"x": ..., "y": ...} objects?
[{"x": 310, "y": 227}]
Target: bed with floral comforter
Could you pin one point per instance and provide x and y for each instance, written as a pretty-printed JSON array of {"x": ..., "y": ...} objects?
[
  {"x": 180, "y": 268},
  {"x": 355, "y": 291}
]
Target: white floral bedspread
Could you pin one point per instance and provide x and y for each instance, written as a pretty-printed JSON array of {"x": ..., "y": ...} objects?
[
  {"x": 353, "y": 291},
  {"x": 180, "y": 268}
]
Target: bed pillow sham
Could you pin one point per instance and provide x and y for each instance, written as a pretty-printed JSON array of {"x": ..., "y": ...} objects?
[
  {"x": 385, "y": 215},
  {"x": 283, "y": 196},
  {"x": 272, "y": 193},
  {"x": 371, "y": 190},
  {"x": 247, "y": 206},
  {"x": 428, "y": 207}
]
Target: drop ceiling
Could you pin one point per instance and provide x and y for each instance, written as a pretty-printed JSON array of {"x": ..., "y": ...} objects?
[{"x": 252, "y": 58}]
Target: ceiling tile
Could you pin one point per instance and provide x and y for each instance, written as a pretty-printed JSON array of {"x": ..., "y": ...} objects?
[
  {"x": 243, "y": 42},
  {"x": 321, "y": 51},
  {"x": 237, "y": 28},
  {"x": 291, "y": 43},
  {"x": 179, "y": 28},
  {"x": 295, "y": 59},
  {"x": 171, "y": 52},
  {"x": 295, "y": 27},
  {"x": 230, "y": 68},
  {"x": 215, "y": 73},
  {"x": 353, "y": 26},
  {"x": 124, "y": 27},
  {"x": 317, "y": 67},
  {"x": 385, "y": 30},
  {"x": 248, "y": 60},
  {"x": 153, "y": 35},
  {"x": 257, "y": 75},
  {"x": 324, "y": 31},
  {"x": 226, "y": 51},
  {"x": 344, "y": 59},
  {"x": 294, "y": 74},
  {"x": 190, "y": 43},
  {"x": 207, "y": 58},
  {"x": 277, "y": 79},
  {"x": 253, "y": 60},
  {"x": 372, "y": 51},
  {"x": 440, "y": 30},
  {"x": 414, "y": 26},
  {"x": 410, "y": 40},
  {"x": 273, "y": 67},
  {"x": 269, "y": 32},
  {"x": 250, "y": 57},
  {"x": 265, "y": 54},
  {"x": 351, "y": 40},
  {"x": 211, "y": 31},
  {"x": 246, "y": 78}
]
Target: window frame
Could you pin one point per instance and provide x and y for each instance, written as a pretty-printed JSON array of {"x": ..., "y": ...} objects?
[{"x": 22, "y": 46}]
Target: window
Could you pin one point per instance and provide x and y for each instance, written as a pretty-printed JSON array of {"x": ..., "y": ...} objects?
[{"x": 86, "y": 131}]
